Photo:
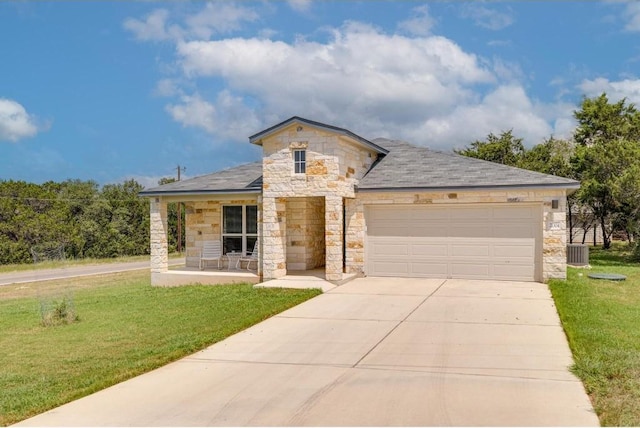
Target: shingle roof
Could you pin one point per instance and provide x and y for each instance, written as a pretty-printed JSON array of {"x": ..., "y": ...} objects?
[
  {"x": 410, "y": 167},
  {"x": 246, "y": 178},
  {"x": 404, "y": 167}
]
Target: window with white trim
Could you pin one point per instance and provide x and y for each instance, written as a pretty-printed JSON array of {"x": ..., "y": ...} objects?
[
  {"x": 300, "y": 161},
  {"x": 239, "y": 228}
]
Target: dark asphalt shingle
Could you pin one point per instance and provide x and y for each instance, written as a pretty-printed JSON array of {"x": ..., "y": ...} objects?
[
  {"x": 242, "y": 178},
  {"x": 407, "y": 166}
]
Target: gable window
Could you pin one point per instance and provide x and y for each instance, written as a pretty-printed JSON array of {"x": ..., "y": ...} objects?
[
  {"x": 239, "y": 228},
  {"x": 300, "y": 161}
]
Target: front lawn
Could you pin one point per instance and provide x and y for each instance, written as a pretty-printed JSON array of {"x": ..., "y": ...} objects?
[
  {"x": 602, "y": 321},
  {"x": 125, "y": 328}
]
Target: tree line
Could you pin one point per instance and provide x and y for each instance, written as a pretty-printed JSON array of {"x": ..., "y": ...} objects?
[
  {"x": 603, "y": 154},
  {"x": 81, "y": 218}
]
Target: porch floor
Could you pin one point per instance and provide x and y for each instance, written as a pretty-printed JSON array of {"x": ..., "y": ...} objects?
[
  {"x": 192, "y": 275},
  {"x": 300, "y": 279}
]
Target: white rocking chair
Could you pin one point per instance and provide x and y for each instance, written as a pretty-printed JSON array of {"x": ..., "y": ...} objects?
[
  {"x": 211, "y": 250},
  {"x": 253, "y": 257}
]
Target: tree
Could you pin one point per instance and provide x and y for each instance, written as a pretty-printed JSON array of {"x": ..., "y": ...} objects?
[
  {"x": 606, "y": 158},
  {"x": 552, "y": 156},
  {"x": 172, "y": 219},
  {"x": 601, "y": 122},
  {"x": 505, "y": 149}
]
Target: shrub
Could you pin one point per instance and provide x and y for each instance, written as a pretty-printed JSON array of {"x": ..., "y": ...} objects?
[{"x": 58, "y": 312}]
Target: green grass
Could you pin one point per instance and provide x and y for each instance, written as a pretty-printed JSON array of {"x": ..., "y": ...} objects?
[
  {"x": 602, "y": 322},
  {"x": 126, "y": 328},
  {"x": 53, "y": 264}
]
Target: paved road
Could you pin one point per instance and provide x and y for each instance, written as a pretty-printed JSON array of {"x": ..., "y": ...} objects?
[
  {"x": 373, "y": 352},
  {"x": 74, "y": 271}
]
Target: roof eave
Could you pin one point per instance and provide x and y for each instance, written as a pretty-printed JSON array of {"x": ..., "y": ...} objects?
[
  {"x": 567, "y": 186},
  {"x": 149, "y": 194}
]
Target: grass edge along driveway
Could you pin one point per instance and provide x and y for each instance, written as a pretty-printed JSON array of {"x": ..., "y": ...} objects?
[
  {"x": 602, "y": 322},
  {"x": 126, "y": 328}
]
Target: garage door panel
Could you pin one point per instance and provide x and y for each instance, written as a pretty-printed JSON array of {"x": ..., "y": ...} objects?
[
  {"x": 385, "y": 249},
  {"x": 429, "y": 269},
  {"x": 433, "y": 214},
  {"x": 471, "y": 231},
  {"x": 428, "y": 230},
  {"x": 391, "y": 268},
  {"x": 470, "y": 250},
  {"x": 481, "y": 242},
  {"x": 514, "y": 213},
  {"x": 515, "y": 231},
  {"x": 526, "y": 250},
  {"x": 470, "y": 270},
  {"x": 512, "y": 272},
  {"x": 434, "y": 249},
  {"x": 471, "y": 213}
]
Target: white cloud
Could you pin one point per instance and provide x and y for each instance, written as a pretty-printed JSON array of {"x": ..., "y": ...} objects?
[
  {"x": 507, "y": 107},
  {"x": 485, "y": 17},
  {"x": 15, "y": 122},
  {"x": 194, "y": 111},
  {"x": 228, "y": 118},
  {"x": 628, "y": 88},
  {"x": 632, "y": 15},
  {"x": 300, "y": 5},
  {"x": 219, "y": 18},
  {"x": 420, "y": 24},
  {"x": 215, "y": 18},
  {"x": 167, "y": 88},
  {"x": 422, "y": 88},
  {"x": 153, "y": 27}
]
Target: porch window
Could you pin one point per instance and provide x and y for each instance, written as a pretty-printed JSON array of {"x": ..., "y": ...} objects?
[
  {"x": 239, "y": 228},
  {"x": 300, "y": 161}
]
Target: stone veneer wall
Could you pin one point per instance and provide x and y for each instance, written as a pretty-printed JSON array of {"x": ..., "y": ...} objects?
[
  {"x": 334, "y": 164},
  {"x": 158, "y": 228},
  {"x": 554, "y": 237},
  {"x": 203, "y": 222},
  {"x": 305, "y": 233}
]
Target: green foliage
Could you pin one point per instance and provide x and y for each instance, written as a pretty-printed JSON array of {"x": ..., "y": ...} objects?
[
  {"x": 172, "y": 219},
  {"x": 505, "y": 149},
  {"x": 600, "y": 121},
  {"x": 88, "y": 221},
  {"x": 552, "y": 156},
  {"x": 57, "y": 312},
  {"x": 607, "y": 162}
]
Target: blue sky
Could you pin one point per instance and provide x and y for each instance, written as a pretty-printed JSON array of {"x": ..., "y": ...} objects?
[{"x": 115, "y": 90}]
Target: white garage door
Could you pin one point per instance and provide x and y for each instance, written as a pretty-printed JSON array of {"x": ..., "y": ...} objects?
[{"x": 463, "y": 241}]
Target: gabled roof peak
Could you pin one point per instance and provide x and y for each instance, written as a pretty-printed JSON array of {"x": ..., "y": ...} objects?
[{"x": 257, "y": 138}]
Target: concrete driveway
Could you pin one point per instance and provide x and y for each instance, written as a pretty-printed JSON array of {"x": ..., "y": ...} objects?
[{"x": 373, "y": 352}]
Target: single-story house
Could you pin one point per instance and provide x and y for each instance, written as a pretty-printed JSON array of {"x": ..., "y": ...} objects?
[{"x": 324, "y": 197}]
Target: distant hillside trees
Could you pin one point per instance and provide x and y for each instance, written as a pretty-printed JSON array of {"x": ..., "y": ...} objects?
[{"x": 88, "y": 220}]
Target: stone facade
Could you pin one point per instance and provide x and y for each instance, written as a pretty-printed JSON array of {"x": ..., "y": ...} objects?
[
  {"x": 158, "y": 227},
  {"x": 203, "y": 222},
  {"x": 305, "y": 233},
  {"x": 317, "y": 218},
  {"x": 334, "y": 165},
  {"x": 553, "y": 220}
]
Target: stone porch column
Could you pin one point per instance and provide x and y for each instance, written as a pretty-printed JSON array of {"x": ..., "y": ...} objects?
[
  {"x": 274, "y": 237},
  {"x": 158, "y": 230},
  {"x": 333, "y": 230}
]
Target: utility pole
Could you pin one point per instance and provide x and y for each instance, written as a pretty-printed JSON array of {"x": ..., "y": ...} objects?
[{"x": 180, "y": 169}]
